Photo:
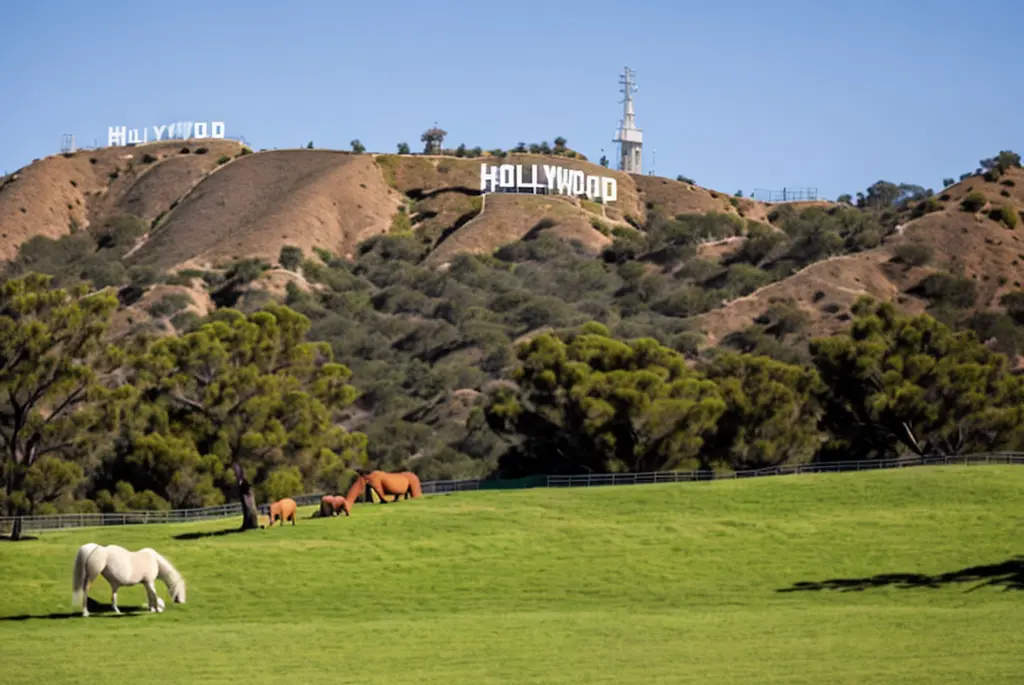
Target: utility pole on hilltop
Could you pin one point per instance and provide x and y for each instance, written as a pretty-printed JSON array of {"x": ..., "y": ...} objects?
[{"x": 629, "y": 137}]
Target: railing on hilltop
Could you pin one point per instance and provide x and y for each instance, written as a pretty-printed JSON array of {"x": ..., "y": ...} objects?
[
  {"x": 785, "y": 195},
  {"x": 440, "y": 487}
]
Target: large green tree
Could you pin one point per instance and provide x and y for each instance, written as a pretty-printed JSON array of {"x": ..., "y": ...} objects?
[
  {"x": 57, "y": 401},
  {"x": 771, "y": 414},
  {"x": 587, "y": 402},
  {"x": 899, "y": 383},
  {"x": 246, "y": 395}
]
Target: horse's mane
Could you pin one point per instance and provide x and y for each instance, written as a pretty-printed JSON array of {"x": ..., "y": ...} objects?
[{"x": 167, "y": 572}]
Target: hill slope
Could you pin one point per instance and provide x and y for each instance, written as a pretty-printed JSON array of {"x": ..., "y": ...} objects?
[
  {"x": 971, "y": 244},
  {"x": 654, "y": 583},
  {"x": 258, "y": 203}
]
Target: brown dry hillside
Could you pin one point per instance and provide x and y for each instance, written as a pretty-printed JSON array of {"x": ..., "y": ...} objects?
[
  {"x": 678, "y": 197},
  {"x": 972, "y": 243},
  {"x": 507, "y": 218},
  {"x": 444, "y": 194},
  {"x": 62, "y": 193},
  {"x": 258, "y": 203}
]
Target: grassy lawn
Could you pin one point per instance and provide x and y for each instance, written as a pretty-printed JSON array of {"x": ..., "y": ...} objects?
[{"x": 677, "y": 583}]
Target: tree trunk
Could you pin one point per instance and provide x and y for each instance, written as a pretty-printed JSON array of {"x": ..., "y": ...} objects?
[
  {"x": 250, "y": 515},
  {"x": 16, "y": 530}
]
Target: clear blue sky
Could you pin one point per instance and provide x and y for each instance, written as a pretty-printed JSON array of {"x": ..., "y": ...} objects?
[{"x": 736, "y": 95}]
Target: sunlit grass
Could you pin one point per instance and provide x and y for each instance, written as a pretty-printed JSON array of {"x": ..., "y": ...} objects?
[{"x": 674, "y": 583}]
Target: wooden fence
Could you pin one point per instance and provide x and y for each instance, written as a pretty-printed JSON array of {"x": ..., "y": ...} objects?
[{"x": 438, "y": 487}]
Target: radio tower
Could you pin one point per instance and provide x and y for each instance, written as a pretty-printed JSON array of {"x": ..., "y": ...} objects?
[{"x": 629, "y": 138}]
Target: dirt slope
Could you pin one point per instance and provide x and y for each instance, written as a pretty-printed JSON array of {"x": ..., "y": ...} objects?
[
  {"x": 256, "y": 204},
  {"x": 61, "y": 193},
  {"x": 508, "y": 218},
  {"x": 971, "y": 243}
]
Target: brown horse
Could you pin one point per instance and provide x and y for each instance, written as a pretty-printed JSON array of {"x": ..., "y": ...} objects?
[
  {"x": 402, "y": 484},
  {"x": 283, "y": 509},
  {"x": 330, "y": 505}
]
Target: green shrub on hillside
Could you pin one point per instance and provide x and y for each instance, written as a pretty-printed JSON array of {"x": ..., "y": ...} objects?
[
  {"x": 1004, "y": 215},
  {"x": 973, "y": 202},
  {"x": 913, "y": 254}
]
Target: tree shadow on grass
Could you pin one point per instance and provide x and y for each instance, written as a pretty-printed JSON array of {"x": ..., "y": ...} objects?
[
  {"x": 199, "y": 535},
  {"x": 1008, "y": 575},
  {"x": 96, "y": 610},
  {"x": 23, "y": 538}
]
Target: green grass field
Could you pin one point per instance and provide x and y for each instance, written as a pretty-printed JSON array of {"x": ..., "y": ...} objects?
[{"x": 646, "y": 584}]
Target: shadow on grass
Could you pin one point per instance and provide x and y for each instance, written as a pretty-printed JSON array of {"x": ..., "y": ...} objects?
[
  {"x": 1008, "y": 575},
  {"x": 209, "y": 534},
  {"x": 96, "y": 610},
  {"x": 23, "y": 538}
]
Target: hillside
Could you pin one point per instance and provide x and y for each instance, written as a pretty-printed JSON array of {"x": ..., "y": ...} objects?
[
  {"x": 421, "y": 285},
  {"x": 844, "y": 579},
  {"x": 968, "y": 242}
]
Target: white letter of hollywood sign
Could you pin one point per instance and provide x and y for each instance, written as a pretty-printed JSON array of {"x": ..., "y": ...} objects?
[
  {"x": 120, "y": 135},
  {"x": 556, "y": 179}
]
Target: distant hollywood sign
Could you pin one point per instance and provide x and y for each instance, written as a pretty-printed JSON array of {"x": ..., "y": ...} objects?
[
  {"x": 547, "y": 179},
  {"x": 121, "y": 135}
]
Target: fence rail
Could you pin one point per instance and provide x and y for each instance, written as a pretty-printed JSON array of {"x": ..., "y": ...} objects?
[
  {"x": 438, "y": 487},
  {"x": 785, "y": 195}
]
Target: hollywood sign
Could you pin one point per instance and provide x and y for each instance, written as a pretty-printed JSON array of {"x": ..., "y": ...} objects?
[
  {"x": 546, "y": 179},
  {"x": 179, "y": 130}
]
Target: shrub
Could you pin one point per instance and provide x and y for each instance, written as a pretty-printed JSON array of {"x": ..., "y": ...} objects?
[
  {"x": 290, "y": 257},
  {"x": 403, "y": 148},
  {"x": 973, "y": 202},
  {"x": 169, "y": 304},
  {"x": 223, "y": 159},
  {"x": 1004, "y": 215},
  {"x": 202, "y": 150},
  {"x": 913, "y": 254},
  {"x": 946, "y": 290}
]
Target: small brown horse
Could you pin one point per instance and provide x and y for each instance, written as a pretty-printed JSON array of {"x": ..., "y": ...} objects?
[
  {"x": 403, "y": 483},
  {"x": 330, "y": 505},
  {"x": 283, "y": 509}
]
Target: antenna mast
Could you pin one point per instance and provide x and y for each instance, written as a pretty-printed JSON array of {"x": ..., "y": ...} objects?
[{"x": 629, "y": 137}]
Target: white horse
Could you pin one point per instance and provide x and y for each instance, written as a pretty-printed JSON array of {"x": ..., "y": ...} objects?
[{"x": 121, "y": 567}]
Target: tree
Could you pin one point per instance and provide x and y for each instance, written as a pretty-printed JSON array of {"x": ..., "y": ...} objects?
[
  {"x": 1001, "y": 163},
  {"x": 560, "y": 145},
  {"x": 947, "y": 182},
  {"x": 250, "y": 394},
  {"x": 309, "y": 145},
  {"x": 357, "y": 147},
  {"x": 57, "y": 399},
  {"x": 520, "y": 147},
  {"x": 604, "y": 161},
  {"x": 586, "y": 401},
  {"x": 739, "y": 193},
  {"x": 403, "y": 148},
  {"x": 432, "y": 140},
  {"x": 845, "y": 199},
  {"x": 771, "y": 415},
  {"x": 899, "y": 381}
]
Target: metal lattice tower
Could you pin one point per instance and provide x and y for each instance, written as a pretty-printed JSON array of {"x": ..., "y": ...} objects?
[
  {"x": 629, "y": 138},
  {"x": 67, "y": 142}
]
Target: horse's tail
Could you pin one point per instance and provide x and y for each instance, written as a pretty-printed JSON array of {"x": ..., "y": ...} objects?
[
  {"x": 78, "y": 575},
  {"x": 414, "y": 484}
]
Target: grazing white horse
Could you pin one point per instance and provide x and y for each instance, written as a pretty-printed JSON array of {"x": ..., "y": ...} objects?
[{"x": 121, "y": 567}]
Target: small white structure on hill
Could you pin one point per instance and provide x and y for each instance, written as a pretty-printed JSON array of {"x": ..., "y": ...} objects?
[{"x": 629, "y": 137}]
